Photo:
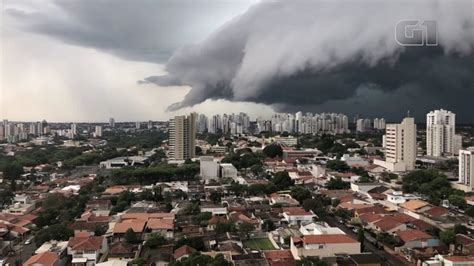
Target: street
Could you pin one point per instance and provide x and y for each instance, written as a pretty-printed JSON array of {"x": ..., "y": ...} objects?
[
  {"x": 22, "y": 253},
  {"x": 387, "y": 258}
]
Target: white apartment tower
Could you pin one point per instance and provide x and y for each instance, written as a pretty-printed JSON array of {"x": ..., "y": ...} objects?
[
  {"x": 182, "y": 137},
  {"x": 466, "y": 167},
  {"x": 98, "y": 131},
  {"x": 440, "y": 130},
  {"x": 400, "y": 146}
]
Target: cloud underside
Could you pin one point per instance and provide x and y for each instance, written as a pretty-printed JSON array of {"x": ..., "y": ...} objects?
[
  {"x": 329, "y": 55},
  {"x": 332, "y": 55}
]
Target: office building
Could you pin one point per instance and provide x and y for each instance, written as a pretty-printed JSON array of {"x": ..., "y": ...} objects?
[
  {"x": 466, "y": 167},
  {"x": 440, "y": 130},
  {"x": 182, "y": 137},
  {"x": 400, "y": 146}
]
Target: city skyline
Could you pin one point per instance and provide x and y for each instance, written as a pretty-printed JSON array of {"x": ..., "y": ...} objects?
[{"x": 81, "y": 67}]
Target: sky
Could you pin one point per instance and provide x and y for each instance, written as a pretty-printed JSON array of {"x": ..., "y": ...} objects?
[{"x": 66, "y": 60}]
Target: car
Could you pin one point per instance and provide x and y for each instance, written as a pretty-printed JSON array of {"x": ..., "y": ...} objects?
[{"x": 27, "y": 242}]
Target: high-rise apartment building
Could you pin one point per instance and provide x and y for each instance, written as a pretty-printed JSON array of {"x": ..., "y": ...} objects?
[
  {"x": 111, "y": 122},
  {"x": 400, "y": 146},
  {"x": 466, "y": 167},
  {"x": 440, "y": 130},
  {"x": 182, "y": 137},
  {"x": 98, "y": 131}
]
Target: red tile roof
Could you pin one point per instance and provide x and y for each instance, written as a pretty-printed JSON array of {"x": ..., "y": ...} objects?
[
  {"x": 387, "y": 223},
  {"x": 44, "y": 258},
  {"x": 329, "y": 238},
  {"x": 136, "y": 225},
  {"x": 183, "y": 250},
  {"x": 295, "y": 211},
  {"x": 459, "y": 258},
  {"x": 411, "y": 234},
  {"x": 437, "y": 211},
  {"x": 157, "y": 224},
  {"x": 80, "y": 243}
]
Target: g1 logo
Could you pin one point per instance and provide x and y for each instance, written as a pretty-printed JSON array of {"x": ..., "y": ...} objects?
[{"x": 413, "y": 32}]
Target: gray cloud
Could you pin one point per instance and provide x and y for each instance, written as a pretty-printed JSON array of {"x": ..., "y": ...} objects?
[
  {"x": 305, "y": 54},
  {"x": 144, "y": 30}
]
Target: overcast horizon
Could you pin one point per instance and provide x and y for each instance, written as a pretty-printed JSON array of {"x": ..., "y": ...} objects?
[{"x": 150, "y": 60}]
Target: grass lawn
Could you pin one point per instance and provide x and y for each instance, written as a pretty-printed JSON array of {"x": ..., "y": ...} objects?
[{"x": 259, "y": 243}]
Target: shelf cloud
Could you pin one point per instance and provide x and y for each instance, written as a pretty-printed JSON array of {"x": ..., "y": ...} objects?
[{"x": 305, "y": 54}]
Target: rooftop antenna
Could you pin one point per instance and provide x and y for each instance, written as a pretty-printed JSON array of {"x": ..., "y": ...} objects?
[{"x": 408, "y": 114}]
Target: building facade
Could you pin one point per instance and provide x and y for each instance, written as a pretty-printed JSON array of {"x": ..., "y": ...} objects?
[
  {"x": 182, "y": 137},
  {"x": 440, "y": 130},
  {"x": 466, "y": 167},
  {"x": 400, "y": 146}
]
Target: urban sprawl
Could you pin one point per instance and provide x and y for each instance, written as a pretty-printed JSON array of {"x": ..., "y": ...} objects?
[{"x": 291, "y": 189}]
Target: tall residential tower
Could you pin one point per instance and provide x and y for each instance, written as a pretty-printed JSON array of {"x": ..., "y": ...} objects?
[
  {"x": 440, "y": 130},
  {"x": 182, "y": 137}
]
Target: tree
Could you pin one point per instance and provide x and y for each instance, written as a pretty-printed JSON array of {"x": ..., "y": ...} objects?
[
  {"x": 460, "y": 229},
  {"x": 268, "y": 225},
  {"x": 447, "y": 236},
  {"x": 338, "y": 165},
  {"x": 361, "y": 238},
  {"x": 300, "y": 193},
  {"x": 337, "y": 183},
  {"x": 273, "y": 150},
  {"x": 199, "y": 259},
  {"x": 246, "y": 228},
  {"x": 57, "y": 232},
  {"x": 195, "y": 242},
  {"x": 318, "y": 205},
  {"x": 282, "y": 180},
  {"x": 131, "y": 237},
  {"x": 155, "y": 240},
  {"x": 6, "y": 196},
  {"x": 137, "y": 262},
  {"x": 215, "y": 197},
  {"x": 311, "y": 261}
]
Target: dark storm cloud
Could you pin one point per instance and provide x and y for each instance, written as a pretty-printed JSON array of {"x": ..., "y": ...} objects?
[
  {"x": 305, "y": 55},
  {"x": 144, "y": 30}
]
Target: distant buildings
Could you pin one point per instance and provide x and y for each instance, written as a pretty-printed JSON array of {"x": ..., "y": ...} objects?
[
  {"x": 363, "y": 125},
  {"x": 111, "y": 122},
  {"x": 379, "y": 123},
  {"x": 440, "y": 133},
  {"x": 182, "y": 137},
  {"x": 400, "y": 146},
  {"x": 466, "y": 167},
  {"x": 98, "y": 131}
]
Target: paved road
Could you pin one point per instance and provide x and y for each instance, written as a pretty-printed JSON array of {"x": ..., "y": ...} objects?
[
  {"x": 22, "y": 253},
  {"x": 388, "y": 259}
]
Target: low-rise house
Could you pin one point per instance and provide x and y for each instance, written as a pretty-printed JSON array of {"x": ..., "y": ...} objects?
[
  {"x": 297, "y": 215},
  {"x": 464, "y": 244},
  {"x": 214, "y": 209},
  {"x": 283, "y": 200},
  {"x": 215, "y": 220},
  {"x": 137, "y": 226},
  {"x": 121, "y": 251},
  {"x": 389, "y": 225},
  {"x": 183, "y": 252},
  {"x": 44, "y": 259},
  {"x": 417, "y": 239},
  {"x": 164, "y": 227},
  {"x": 239, "y": 218},
  {"x": 323, "y": 246},
  {"x": 313, "y": 228},
  {"x": 279, "y": 257},
  {"x": 86, "y": 250}
]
